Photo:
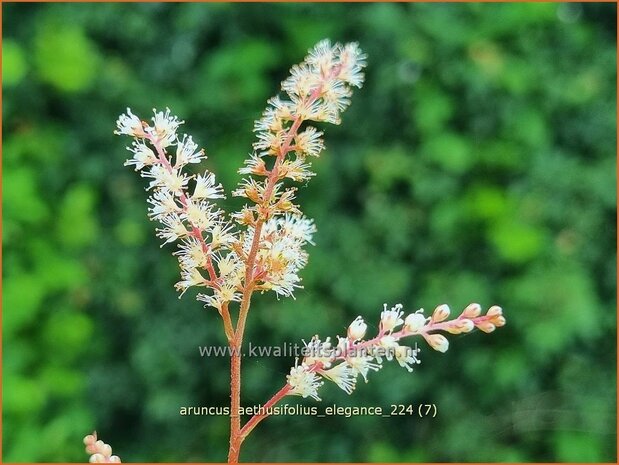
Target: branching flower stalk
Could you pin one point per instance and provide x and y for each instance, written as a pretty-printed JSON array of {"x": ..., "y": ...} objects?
[{"x": 261, "y": 247}]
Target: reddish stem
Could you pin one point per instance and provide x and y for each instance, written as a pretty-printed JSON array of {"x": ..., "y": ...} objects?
[{"x": 253, "y": 421}]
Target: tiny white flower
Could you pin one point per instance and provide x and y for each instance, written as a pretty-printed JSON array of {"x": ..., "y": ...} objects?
[
  {"x": 191, "y": 253},
  {"x": 166, "y": 178},
  {"x": 317, "y": 351},
  {"x": 173, "y": 228},
  {"x": 357, "y": 329},
  {"x": 390, "y": 319},
  {"x": 187, "y": 152},
  {"x": 163, "y": 203},
  {"x": 199, "y": 214},
  {"x": 189, "y": 277},
  {"x": 164, "y": 127},
  {"x": 206, "y": 187},
  {"x": 415, "y": 321},
  {"x": 352, "y": 62},
  {"x": 304, "y": 383},
  {"x": 142, "y": 156},
  {"x": 363, "y": 364},
  {"x": 221, "y": 235},
  {"x": 407, "y": 356},
  {"x": 130, "y": 125},
  {"x": 309, "y": 142},
  {"x": 343, "y": 375},
  {"x": 386, "y": 348}
]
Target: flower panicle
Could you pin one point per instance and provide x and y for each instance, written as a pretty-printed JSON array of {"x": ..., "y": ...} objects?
[
  {"x": 353, "y": 356},
  {"x": 99, "y": 451},
  {"x": 181, "y": 203},
  {"x": 318, "y": 90}
]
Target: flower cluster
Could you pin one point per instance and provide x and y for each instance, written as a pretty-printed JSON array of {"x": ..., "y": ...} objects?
[
  {"x": 99, "y": 451},
  {"x": 354, "y": 356},
  {"x": 318, "y": 90},
  {"x": 266, "y": 253},
  {"x": 181, "y": 203}
]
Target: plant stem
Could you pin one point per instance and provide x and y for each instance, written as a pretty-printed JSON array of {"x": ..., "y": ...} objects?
[
  {"x": 236, "y": 344},
  {"x": 253, "y": 422}
]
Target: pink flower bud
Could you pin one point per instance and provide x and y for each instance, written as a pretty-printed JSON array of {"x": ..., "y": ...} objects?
[
  {"x": 90, "y": 439},
  {"x": 438, "y": 342},
  {"x": 97, "y": 458},
  {"x": 472, "y": 311},
  {"x": 441, "y": 313},
  {"x": 464, "y": 325},
  {"x": 467, "y": 326},
  {"x": 106, "y": 450},
  {"x": 495, "y": 310},
  {"x": 486, "y": 326}
]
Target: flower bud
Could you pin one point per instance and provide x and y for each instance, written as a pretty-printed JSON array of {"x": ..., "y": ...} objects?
[
  {"x": 97, "y": 458},
  {"x": 106, "y": 450},
  {"x": 357, "y": 329},
  {"x": 466, "y": 326},
  {"x": 90, "y": 439},
  {"x": 441, "y": 313},
  {"x": 114, "y": 459},
  {"x": 437, "y": 342},
  {"x": 472, "y": 311},
  {"x": 486, "y": 326},
  {"x": 414, "y": 322},
  {"x": 498, "y": 321},
  {"x": 460, "y": 326},
  {"x": 495, "y": 310}
]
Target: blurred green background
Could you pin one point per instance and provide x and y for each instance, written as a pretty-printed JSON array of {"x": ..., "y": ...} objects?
[{"x": 477, "y": 164}]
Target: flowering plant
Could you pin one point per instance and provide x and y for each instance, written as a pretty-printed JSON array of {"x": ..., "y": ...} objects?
[{"x": 261, "y": 248}]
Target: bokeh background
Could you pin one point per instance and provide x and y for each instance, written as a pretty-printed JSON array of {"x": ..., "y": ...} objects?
[{"x": 477, "y": 164}]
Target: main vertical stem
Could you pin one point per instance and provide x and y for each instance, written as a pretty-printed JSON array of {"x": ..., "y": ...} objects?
[
  {"x": 236, "y": 344},
  {"x": 235, "y": 401}
]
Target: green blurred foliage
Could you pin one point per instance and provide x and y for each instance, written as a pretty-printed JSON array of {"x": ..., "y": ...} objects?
[{"x": 477, "y": 164}]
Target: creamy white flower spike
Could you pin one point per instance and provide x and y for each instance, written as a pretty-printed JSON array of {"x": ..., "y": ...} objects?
[
  {"x": 354, "y": 355},
  {"x": 181, "y": 203}
]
